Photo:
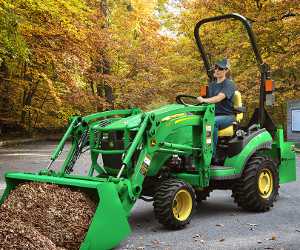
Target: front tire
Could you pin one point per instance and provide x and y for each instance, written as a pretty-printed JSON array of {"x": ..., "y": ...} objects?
[
  {"x": 174, "y": 203},
  {"x": 257, "y": 189}
]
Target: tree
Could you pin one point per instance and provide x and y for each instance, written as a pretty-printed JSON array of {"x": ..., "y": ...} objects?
[
  {"x": 59, "y": 55},
  {"x": 276, "y": 27},
  {"x": 62, "y": 58},
  {"x": 139, "y": 52}
]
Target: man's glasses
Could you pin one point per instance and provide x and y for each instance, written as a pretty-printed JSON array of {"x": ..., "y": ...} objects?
[{"x": 219, "y": 68}]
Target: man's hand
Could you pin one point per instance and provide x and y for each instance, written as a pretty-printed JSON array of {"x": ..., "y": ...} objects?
[
  {"x": 213, "y": 99},
  {"x": 200, "y": 99}
]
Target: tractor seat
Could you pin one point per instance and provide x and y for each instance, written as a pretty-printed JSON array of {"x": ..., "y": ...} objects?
[{"x": 229, "y": 131}]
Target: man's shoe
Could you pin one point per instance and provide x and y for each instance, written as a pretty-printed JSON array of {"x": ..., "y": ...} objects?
[{"x": 212, "y": 163}]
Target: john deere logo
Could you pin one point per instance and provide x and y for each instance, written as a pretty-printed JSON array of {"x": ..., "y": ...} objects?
[
  {"x": 111, "y": 144},
  {"x": 153, "y": 143}
]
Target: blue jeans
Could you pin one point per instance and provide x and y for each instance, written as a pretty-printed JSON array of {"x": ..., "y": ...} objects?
[{"x": 221, "y": 122}]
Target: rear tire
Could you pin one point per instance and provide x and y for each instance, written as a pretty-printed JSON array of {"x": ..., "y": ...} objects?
[
  {"x": 174, "y": 203},
  {"x": 201, "y": 195},
  {"x": 257, "y": 189}
]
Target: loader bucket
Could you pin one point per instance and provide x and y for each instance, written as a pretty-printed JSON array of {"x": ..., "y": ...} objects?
[{"x": 109, "y": 225}]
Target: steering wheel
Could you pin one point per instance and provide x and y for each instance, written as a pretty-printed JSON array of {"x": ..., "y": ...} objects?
[{"x": 187, "y": 100}]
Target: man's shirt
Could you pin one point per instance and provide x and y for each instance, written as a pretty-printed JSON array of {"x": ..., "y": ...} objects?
[{"x": 226, "y": 87}]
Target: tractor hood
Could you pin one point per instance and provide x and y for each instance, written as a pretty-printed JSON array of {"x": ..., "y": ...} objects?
[{"x": 134, "y": 121}]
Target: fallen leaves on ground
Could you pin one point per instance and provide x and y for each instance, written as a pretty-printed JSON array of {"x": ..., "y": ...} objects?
[
  {"x": 252, "y": 225},
  {"x": 153, "y": 229},
  {"x": 197, "y": 235},
  {"x": 272, "y": 238}
]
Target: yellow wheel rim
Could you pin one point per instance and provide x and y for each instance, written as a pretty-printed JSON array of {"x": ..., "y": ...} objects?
[
  {"x": 265, "y": 183},
  {"x": 182, "y": 205}
]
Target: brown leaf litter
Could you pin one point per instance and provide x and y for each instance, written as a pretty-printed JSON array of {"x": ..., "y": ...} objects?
[{"x": 40, "y": 215}]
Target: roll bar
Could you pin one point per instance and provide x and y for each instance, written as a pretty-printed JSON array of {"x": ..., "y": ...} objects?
[{"x": 263, "y": 67}]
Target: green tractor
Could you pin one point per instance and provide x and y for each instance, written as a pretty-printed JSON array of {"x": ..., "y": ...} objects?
[{"x": 164, "y": 156}]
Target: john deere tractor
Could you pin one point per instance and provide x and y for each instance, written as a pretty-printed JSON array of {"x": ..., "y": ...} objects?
[{"x": 164, "y": 156}]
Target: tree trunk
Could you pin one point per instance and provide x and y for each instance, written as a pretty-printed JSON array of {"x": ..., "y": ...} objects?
[
  {"x": 106, "y": 69},
  {"x": 4, "y": 76},
  {"x": 37, "y": 115},
  {"x": 107, "y": 88},
  {"x": 100, "y": 94},
  {"x": 27, "y": 98}
]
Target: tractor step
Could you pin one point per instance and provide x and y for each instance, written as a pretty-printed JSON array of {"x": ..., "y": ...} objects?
[
  {"x": 222, "y": 173},
  {"x": 220, "y": 168}
]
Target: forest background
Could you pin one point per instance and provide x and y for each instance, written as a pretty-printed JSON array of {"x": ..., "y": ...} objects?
[{"x": 60, "y": 58}]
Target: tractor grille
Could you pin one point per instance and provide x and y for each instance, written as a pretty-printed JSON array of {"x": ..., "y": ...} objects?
[{"x": 106, "y": 122}]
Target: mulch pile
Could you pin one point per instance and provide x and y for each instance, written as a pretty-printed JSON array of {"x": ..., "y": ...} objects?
[
  {"x": 14, "y": 234},
  {"x": 45, "y": 216}
]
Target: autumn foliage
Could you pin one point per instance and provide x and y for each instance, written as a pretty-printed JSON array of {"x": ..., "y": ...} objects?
[{"x": 66, "y": 57}]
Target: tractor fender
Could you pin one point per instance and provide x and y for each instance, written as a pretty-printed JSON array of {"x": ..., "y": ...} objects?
[{"x": 262, "y": 141}]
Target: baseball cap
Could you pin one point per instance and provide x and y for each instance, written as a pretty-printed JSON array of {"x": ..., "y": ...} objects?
[{"x": 223, "y": 62}]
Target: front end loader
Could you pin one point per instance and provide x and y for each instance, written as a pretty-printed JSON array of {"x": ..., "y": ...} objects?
[{"x": 164, "y": 156}]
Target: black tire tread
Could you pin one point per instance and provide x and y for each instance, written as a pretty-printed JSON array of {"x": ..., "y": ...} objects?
[
  {"x": 245, "y": 191},
  {"x": 163, "y": 200}
]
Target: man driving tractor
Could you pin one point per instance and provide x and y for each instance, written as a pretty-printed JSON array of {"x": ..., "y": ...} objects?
[{"x": 221, "y": 92}]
